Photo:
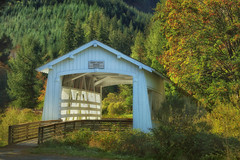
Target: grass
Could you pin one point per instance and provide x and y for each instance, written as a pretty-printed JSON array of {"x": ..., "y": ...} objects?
[
  {"x": 67, "y": 150},
  {"x": 117, "y": 116}
]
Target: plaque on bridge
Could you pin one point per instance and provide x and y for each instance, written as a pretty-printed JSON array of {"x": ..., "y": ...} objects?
[{"x": 95, "y": 64}]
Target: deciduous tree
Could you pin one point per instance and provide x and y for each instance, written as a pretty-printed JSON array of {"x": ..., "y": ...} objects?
[{"x": 202, "y": 54}]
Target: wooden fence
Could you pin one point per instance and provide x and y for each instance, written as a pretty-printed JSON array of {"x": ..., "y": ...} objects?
[
  {"x": 49, "y": 131},
  {"x": 27, "y": 131},
  {"x": 44, "y": 130}
]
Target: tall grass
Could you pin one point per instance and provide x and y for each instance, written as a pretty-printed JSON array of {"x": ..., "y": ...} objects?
[{"x": 13, "y": 116}]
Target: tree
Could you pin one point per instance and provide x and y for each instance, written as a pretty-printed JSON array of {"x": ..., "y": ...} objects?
[
  {"x": 79, "y": 38},
  {"x": 102, "y": 29},
  {"x": 5, "y": 46},
  {"x": 118, "y": 41},
  {"x": 68, "y": 35},
  {"x": 22, "y": 81},
  {"x": 154, "y": 44},
  {"x": 90, "y": 26},
  {"x": 138, "y": 49},
  {"x": 2, "y": 4},
  {"x": 119, "y": 103},
  {"x": 202, "y": 53}
]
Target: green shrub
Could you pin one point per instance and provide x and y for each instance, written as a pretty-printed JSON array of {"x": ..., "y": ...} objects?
[
  {"x": 170, "y": 143},
  {"x": 224, "y": 120},
  {"x": 79, "y": 138},
  {"x": 131, "y": 142},
  {"x": 106, "y": 141},
  {"x": 187, "y": 131},
  {"x": 117, "y": 108},
  {"x": 135, "y": 142},
  {"x": 118, "y": 103}
]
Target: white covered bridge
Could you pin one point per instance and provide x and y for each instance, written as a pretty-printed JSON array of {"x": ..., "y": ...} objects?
[{"x": 75, "y": 82}]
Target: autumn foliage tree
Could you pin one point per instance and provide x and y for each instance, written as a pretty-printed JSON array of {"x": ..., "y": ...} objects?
[{"x": 202, "y": 53}]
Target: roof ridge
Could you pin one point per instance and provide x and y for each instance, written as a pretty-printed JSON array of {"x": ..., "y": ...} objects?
[{"x": 45, "y": 68}]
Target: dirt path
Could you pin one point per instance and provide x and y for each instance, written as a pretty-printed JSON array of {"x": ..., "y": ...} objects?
[{"x": 22, "y": 152}]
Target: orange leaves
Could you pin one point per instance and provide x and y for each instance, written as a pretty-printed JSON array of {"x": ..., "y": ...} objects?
[
  {"x": 42, "y": 78},
  {"x": 236, "y": 37},
  {"x": 43, "y": 92},
  {"x": 202, "y": 40}
]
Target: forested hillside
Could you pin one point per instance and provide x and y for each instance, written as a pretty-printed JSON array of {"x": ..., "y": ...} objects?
[
  {"x": 143, "y": 5},
  {"x": 58, "y": 27},
  {"x": 45, "y": 20}
]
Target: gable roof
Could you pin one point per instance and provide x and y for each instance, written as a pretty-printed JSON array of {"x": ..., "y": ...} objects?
[{"x": 45, "y": 68}]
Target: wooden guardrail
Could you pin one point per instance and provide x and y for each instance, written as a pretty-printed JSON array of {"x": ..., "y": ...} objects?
[
  {"x": 49, "y": 131},
  {"x": 26, "y": 131}
]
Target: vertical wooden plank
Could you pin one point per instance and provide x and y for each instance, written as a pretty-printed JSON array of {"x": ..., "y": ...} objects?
[
  {"x": 27, "y": 131},
  {"x": 65, "y": 127},
  {"x": 54, "y": 129},
  {"x": 74, "y": 125},
  {"x": 101, "y": 102},
  {"x": 40, "y": 135},
  {"x": 10, "y": 139}
]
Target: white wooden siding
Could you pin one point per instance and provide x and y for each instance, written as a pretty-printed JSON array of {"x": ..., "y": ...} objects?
[{"x": 142, "y": 81}]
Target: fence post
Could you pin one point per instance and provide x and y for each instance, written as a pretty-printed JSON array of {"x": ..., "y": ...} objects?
[
  {"x": 74, "y": 125},
  {"x": 40, "y": 135},
  {"x": 27, "y": 131},
  {"x": 54, "y": 129},
  {"x": 65, "y": 128},
  {"x": 10, "y": 138}
]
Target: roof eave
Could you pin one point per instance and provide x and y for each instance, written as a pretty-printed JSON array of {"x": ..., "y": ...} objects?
[{"x": 45, "y": 68}]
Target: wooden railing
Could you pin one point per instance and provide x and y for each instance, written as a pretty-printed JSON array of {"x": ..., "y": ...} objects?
[
  {"x": 27, "y": 131},
  {"x": 49, "y": 131}
]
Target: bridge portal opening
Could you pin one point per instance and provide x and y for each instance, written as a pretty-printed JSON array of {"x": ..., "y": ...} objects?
[{"x": 81, "y": 95}]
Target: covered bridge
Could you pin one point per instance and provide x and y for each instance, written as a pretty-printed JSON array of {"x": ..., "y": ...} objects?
[{"x": 75, "y": 82}]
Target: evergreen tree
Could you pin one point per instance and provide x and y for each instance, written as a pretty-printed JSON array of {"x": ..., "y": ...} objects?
[
  {"x": 120, "y": 41},
  {"x": 68, "y": 35},
  {"x": 22, "y": 81},
  {"x": 113, "y": 23},
  {"x": 154, "y": 45},
  {"x": 5, "y": 46},
  {"x": 138, "y": 50},
  {"x": 79, "y": 38},
  {"x": 102, "y": 30},
  {"x": 91, "y": 26}
]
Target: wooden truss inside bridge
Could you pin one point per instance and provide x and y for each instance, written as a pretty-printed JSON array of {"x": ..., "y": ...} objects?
[{"x": 82, "y": 94}]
